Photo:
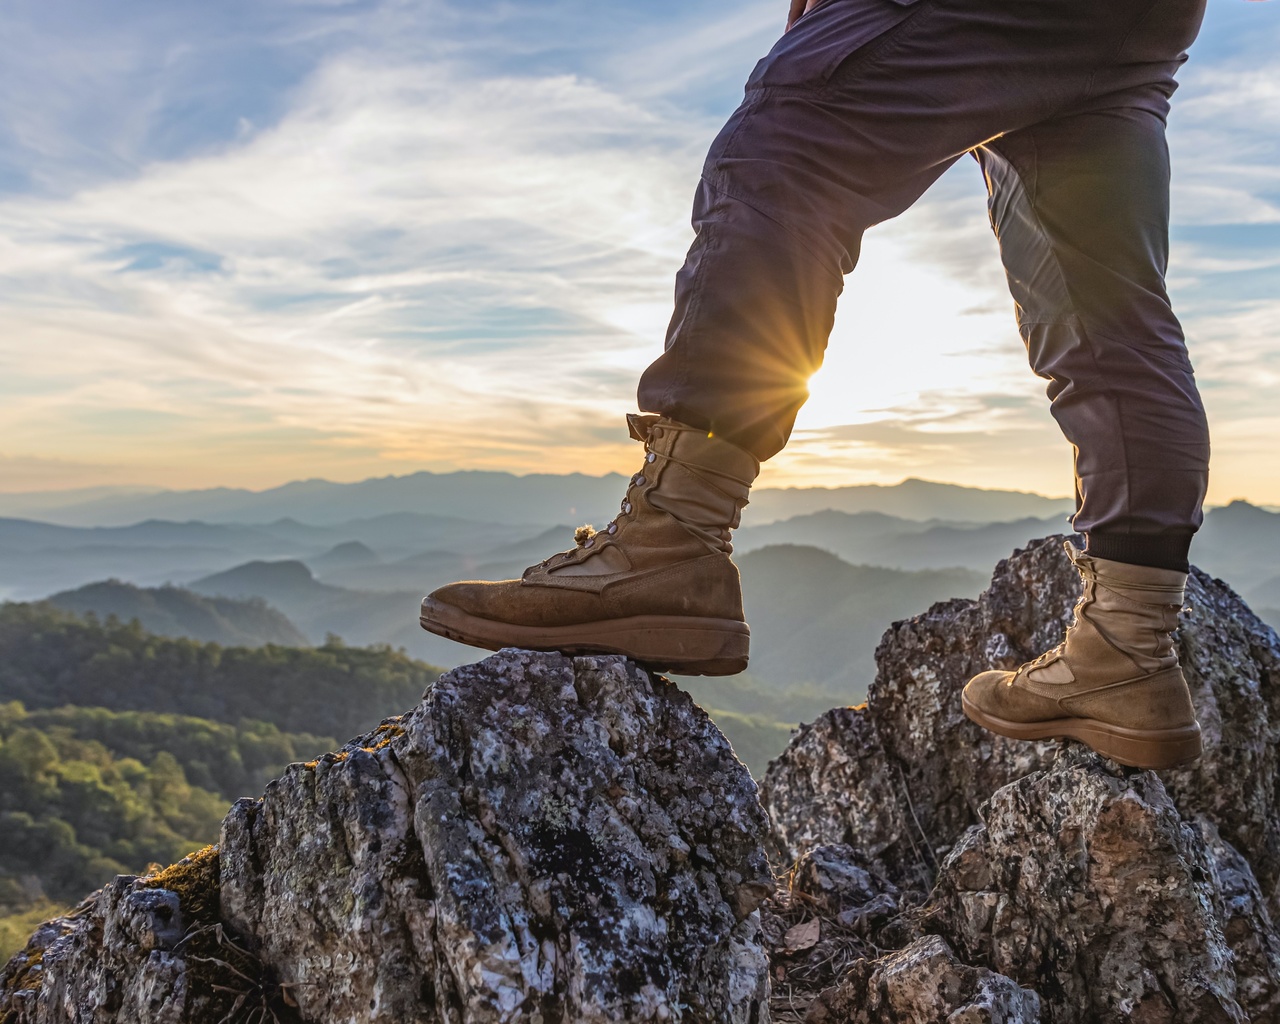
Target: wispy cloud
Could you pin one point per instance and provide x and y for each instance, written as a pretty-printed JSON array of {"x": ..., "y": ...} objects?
[{"x": 257, "y": 242}]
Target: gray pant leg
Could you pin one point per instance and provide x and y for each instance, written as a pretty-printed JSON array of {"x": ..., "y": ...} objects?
[
  {"x": 1080, "y": 205},
  {"x": 846, "y": 123}
]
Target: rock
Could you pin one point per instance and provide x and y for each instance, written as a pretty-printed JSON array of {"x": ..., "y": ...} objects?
[
  {"x": 903, "y": 776},
  {"x": 836, "y": 882},
  {"x": 22, "y": 978},
  {"x": 142, "y": 951},
  {"x": 924, "y": 982},
  {"x": 903, "y": 779},
  {"x": 542, "y": 839},
  {"x": 1084, "y": 883},
  {"x": 1246, "y": 924},
  {"x": 834, "y": 784}
]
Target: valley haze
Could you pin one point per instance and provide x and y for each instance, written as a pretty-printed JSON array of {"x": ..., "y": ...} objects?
[{"x": 825, "y": 570}]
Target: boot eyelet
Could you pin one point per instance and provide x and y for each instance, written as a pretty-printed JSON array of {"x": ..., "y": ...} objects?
[
  {"x": 640, "y": 480},
  {"x": 590, "y": 544},
  {"x": 651, "y": 457},
  {"x": 626, "y": 507},
  {"x": 613, "y": 528}
]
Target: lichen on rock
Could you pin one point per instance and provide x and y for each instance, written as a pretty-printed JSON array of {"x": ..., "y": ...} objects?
[
  {"x": 570, "y": 838},
  {"x": 1084, "y": 883}
]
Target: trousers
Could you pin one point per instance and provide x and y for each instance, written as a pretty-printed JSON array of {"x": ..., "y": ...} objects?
[{"x": 847, "y": 121}]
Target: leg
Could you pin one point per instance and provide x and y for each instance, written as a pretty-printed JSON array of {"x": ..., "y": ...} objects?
[
  {"x": 850, "y": 118},
  {"x": 858, "y": 109},
  {"x": 1080, "y": 206}
]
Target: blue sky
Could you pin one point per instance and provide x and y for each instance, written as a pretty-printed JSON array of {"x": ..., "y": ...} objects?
[{"x": 243, "y": 243}]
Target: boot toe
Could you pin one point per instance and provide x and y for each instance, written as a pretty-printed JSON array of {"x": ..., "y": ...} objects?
[
  {"x": 468, "y": 596},
  {"x": 997, "y": 696},
  {"x": 983, "y": 691}
]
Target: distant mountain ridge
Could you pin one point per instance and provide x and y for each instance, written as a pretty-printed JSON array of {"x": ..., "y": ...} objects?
[
  {"x": 504, "y": 497},
  {"x": 172, "y": 611},
  {"x": 872, "y": 538}
]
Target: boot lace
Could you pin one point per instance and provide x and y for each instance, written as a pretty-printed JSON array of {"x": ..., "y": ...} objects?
[{"x": 585, "y": 536}]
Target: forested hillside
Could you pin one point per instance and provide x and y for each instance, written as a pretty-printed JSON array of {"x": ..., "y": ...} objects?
[
  {"x": 119, "y": 748},
  {"x": 49, "y": 658},
  {"x": 174, "y": 611}
]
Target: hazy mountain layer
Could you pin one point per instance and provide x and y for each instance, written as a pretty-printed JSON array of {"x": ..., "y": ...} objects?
[
  {"x": 817, "y": 620},
  {"x": 172, "y": 611},
  {"x": 506, "y": 498},
  {"x": 871, "y": 538}
]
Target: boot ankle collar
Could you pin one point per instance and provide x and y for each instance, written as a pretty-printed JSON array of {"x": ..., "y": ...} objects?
[
  {"x": 712, "y": 455},
  {"x": 639, "y": 425},
  {"x": 1121, "y": 576}
]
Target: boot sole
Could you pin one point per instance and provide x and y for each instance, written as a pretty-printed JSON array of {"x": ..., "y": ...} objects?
[
  {"x": 1137, "y": 748},
  {"x": 682, "y": 644}
]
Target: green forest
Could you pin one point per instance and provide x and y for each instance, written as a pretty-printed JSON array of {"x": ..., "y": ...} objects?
[
  {"x": 49, "y": 658},
  {"x": 119, "y": 749}
]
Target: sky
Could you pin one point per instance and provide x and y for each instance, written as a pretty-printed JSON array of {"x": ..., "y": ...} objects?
[{"x": 254, "y": 241}]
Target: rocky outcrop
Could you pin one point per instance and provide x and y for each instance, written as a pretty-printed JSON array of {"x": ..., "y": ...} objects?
[
  {"x": 1115, "y": 895},
  {"x": 1084, "y": 883},
  {"x": 541, "y": 839},
  {"x": 549, "y": 839},
  {"x": 924, "y": 982}
]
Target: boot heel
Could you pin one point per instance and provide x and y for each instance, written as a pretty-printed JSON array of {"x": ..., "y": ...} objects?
[{"x": 1154, "y": 749}]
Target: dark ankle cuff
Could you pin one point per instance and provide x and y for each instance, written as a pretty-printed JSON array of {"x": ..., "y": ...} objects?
[{"x": 1157, "y": 550}]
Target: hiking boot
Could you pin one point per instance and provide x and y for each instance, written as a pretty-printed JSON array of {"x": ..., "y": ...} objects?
[
  {"x": 656, "y": 584},
  {"x": 1114, "y": 683}
]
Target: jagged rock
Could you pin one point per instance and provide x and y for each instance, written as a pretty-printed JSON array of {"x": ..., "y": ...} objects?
[
  {"x": 924, "y": 983},
  {"x": 902, "y": 777},
  {"x": 22, "y": 978},
  {"x": 838, "y": 884},
  {"x": 141, "y": 951},
  {"x": 1246, "y": 924},
  {"x": 542, "y": 839},
  {"x": 1084, "y": 883}
]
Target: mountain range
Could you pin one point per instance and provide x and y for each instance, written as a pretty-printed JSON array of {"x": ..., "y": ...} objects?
[
  {"x": 500, "y": 497},
  {"x": 821, "y": 582}
]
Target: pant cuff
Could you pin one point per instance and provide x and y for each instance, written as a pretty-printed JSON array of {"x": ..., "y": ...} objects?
[{"x": 1157, "y": 550}]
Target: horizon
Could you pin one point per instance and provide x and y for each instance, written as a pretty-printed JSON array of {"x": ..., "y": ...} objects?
[
  {"x": 242, "y": 245},
  {"x": 77, "y": 498},
  {"x": 143, "y": 489}
]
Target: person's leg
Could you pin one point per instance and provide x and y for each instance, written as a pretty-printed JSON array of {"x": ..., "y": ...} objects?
[
  {"x": 1081, "y": 209},
  {"x": 853, "y": 114},
  {"x": 845, "y": 124},
  {"x": 1080, "y": 205}
]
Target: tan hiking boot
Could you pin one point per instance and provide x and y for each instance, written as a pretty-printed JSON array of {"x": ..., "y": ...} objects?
[
  {"x": 656, "y": 584},
  {"x": 1114, "y": 683}
]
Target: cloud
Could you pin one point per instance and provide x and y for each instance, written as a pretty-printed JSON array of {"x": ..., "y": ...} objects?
[
  {"x": 431, "y": 263},
  {"x": 272, "y": 241}
]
